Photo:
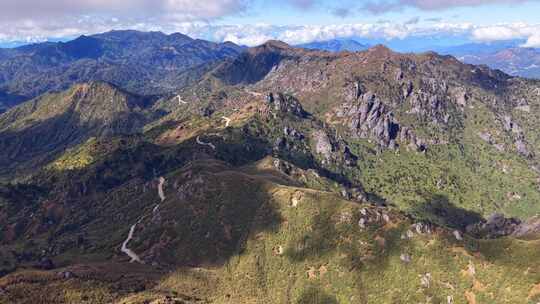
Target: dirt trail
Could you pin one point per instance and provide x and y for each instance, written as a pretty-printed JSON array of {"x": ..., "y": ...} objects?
[
  {"x": 134, "y": 257},
  {"x": 227, "y": 121},
  {"x": 180, "y": 100},
  {"x": 205, "y": 144},
  {"x": 161, "y": 194}
]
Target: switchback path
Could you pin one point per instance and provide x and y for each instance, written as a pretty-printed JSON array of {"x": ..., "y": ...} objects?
[{"x": 205, "y": 144}]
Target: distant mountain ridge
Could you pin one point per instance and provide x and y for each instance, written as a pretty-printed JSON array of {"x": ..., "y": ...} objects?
[
  {"x": 524, "y": 62},
  {"x": 141, "y": 62},
  {"x": 335, "y": 45}
]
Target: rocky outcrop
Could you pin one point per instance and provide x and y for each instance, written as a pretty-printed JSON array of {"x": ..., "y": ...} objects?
[
  {"x": 497, "y": 225},
  {"x": 370, "y": 118},
  {"x": 517, "y": 134},
  {"x": 529, "y": 227},
  {"x": 323, "y": 146},
  {"x": 286, "y": 104}
]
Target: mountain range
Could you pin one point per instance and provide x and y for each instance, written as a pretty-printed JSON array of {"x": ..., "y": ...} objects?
[
  {"x": 336, "y": 45},
  {"x": 507, "y": 56},
  {"x": 276, "y": 175},
  {"x": 524, "y": 62},
  {"x": 142, "y": 62}
]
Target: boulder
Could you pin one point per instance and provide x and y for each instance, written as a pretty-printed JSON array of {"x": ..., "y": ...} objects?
[
  {"x": 497, "y": 225},
  {"x": 405, "y": 258},
  {"x": 529, "y": 227}
]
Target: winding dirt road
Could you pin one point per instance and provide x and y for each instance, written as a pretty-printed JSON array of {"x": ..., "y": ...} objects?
[
  {"x": 134, "y": 257},
  {"x": 180, "y": 100},
  {"x": 205, "y": 144},
  {"x": 227, "y": 121}
]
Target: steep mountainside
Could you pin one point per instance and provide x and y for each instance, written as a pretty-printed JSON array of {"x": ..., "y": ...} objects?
[
  {"x": 145, "y": 63},
  {"x": 34, "y": 132},
  {"x": 283, "y": 175},
  {"x": 524, "y": 62},
  {"x": 474, "y": 126}
]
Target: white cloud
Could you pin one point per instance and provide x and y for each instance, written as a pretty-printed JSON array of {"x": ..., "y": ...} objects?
[
  {"x": 494, "y": 33},
  {"x": 509, "y": 31},
  {"x": 180, "y": 9},
  {"x": 32, "y": 30},
  {"x": 533, "y": 41}
]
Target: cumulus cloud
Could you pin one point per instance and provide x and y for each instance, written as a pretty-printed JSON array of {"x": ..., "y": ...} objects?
[
  {"x": 509, "y": 31},
  {"x": 195, "y": 18},
  {"x": 30, "y": 20},
  {"x": 533, "y": 41},
  {"x": 186, "y": 9},
  {"x": 382, "y": 6}
]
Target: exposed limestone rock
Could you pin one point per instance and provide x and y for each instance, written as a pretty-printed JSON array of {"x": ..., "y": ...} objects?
[
  {"x": 286, "y": 104},
  {"x": 407, "y": 89},
  {"x": 529, "y": 227},
  {"x": 357, "y": 89},
  {"x": 399, "y": 75},
  {"x": 425, "y": 280},
  {"x": 461, "y": 97},
  {"x": 295, "y": 200},
  {"x": 405, "y": 258},
  {"x": 486, "y": 136},
  {"x": 293, "y": 133},
  {"x": 370, "y": 118},
  {"x": 517, "y": 134},
  {"x": 496, "y": 226},
  {"x": 283, "y": 166},
  {"x": 362, "y": 223},
  {"x": 408, "y": 235},
  {"x": 323, "y": 146}
]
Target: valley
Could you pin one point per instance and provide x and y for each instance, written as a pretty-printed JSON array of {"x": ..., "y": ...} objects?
[{"x": 279, "y": 175}]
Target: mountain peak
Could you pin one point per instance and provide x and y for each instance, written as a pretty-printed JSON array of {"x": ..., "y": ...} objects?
[
  {"x": 276, "y": 44},
  {"x": 336, "y": 45},
  {"x": 381, "y": 49}
]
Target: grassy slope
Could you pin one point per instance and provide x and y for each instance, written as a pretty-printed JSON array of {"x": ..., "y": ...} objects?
[
  {"x": 472, "y": 175},
  {"x": 314, "y": 253}
]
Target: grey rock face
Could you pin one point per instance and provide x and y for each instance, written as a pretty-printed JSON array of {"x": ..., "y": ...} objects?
[
  {"x": 287, "y": 104},
  {"x": 407, "y": 89},
  {"x": 461, "y": 97},
  {"x": 497, "y": 225},
  {"x": 323, "y": 146},
  {"x": 517, "y": 134},
  {"x": 292, "y": 133},
  {"x": 530, "y": 227},
  {"x": 405, "y": 258},
  {"x": 372, "y": 119}
]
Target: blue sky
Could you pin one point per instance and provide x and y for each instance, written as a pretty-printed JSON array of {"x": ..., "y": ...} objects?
[
  {"x": 252, "y": 22},
  {"x": 282, "y": 12}
]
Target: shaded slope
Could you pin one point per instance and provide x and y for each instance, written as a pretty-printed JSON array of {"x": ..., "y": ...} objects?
[
  {"x": 144, "y": 63},
  {"x": 36, "y": 131}
]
